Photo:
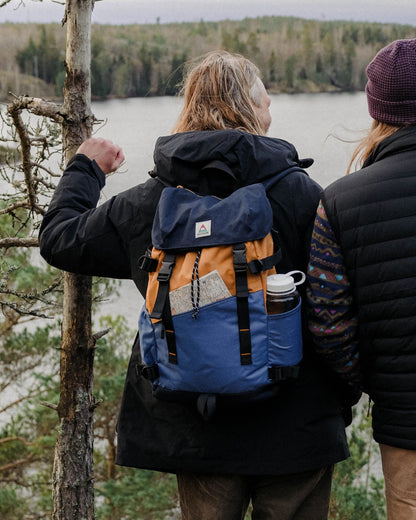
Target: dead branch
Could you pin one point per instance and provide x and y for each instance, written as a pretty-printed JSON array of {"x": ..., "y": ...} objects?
[
  {"x": 13, "y": 207},
  {"x": 18, "y": 242},
  {"x": 100, "y": 334},
  {"x": 44, "y": 183},
  {"x": 12, "y": 439},
  {"x": 54, "y": 285},
  {"x": 5, "y": 2},
  {"x": 47, "y": 170},
  {"x": 38, "y": 107},
  {"x": 37, "y": 313},
  {"x": 28, "y": 298},
  {"x": 49, "y": 405},
  {"x": 18, "y": 401},
  {"x": 17, "y": 463},
  {"x": 15, "y": 113}
]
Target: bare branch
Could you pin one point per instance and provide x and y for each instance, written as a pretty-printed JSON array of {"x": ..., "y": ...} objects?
[
  {"x": 5, "y": 2},
  {"x": 47, "y": 170},
  {"x": 38, "y": 107},
  {"x": 17, "y": 463},
  {"x": 100, "y": 334},
  {"x": 34, "y": 296},
  {"x": 21, "y": 129},
  {"x": 13, "y": 207},
  {"x": 54, "y": 285},
  {"x": 18, "y": 401},
  {"x": 18, "y": 242},
  {"x": 24, "y": 312},
  {"x": 49, "y": 405},
  {"x": 12, "y": 439}
]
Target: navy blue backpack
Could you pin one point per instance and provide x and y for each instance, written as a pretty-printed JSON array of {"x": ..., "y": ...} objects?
[{"x": 205, "y": 336}]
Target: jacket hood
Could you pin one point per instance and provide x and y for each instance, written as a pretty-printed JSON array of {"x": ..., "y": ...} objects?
[{"x": 221, "y": 161}]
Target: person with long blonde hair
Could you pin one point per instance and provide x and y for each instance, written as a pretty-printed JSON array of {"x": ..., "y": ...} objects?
[
  {"x": 277, "y": 453},
  {"x": 362, "y": 271}
]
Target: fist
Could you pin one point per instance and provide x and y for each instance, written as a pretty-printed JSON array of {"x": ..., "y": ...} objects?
[{"x": 106, "y": 154}]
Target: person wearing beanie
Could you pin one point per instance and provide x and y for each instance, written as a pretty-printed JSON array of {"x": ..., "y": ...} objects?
[{"x": 362, "y": 271}]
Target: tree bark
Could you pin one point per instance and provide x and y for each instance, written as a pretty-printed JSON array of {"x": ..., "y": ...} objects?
[{"x": 73, "y": 476}]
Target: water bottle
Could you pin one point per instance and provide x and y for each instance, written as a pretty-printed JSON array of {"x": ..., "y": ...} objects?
[{"x": 281, "y": 295}]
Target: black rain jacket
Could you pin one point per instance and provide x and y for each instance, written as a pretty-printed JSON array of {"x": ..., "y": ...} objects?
[{"x": 303, "y": 428}]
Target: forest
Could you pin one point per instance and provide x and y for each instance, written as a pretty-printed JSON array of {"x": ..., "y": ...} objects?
[{"x": 293, "y": 55}]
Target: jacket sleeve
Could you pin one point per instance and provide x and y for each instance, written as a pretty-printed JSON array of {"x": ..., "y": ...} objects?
[
  {"x": 75, "y": 235},
  {"x": 331, "y": 317},
  {"x": 294, "y": 201}
]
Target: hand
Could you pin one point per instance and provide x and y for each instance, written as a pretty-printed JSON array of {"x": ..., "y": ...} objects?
[{"x": 106, "y": 154}]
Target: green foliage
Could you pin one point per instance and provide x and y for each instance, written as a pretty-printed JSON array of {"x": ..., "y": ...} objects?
[
  {"x": 29, "y": 361},
  {"x": 175, "y": 79},
  {"x": 137, "y": 494},
  {"x": 42, "y": 59},
  {"x": 141, "y": 60},
  {"x": 102, "y": 64},
  {"x": 356, "y": 493},
  {"x": 290, "y": 70},
  {"x": 122, "y": 493},
  {"x": 28, "y": 289},
  {"x": 11, "y": 507}
]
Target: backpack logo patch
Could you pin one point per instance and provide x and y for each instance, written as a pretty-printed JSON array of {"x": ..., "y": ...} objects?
[{"x": 203, "y": 229}]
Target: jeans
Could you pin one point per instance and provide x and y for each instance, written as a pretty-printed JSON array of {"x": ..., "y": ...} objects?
[
  {"x": 301, "y": 496},
  {"x": 399, "y": 469}
]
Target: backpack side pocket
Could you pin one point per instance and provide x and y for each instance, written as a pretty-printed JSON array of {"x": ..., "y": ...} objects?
[{"x": 285, "y": 338}]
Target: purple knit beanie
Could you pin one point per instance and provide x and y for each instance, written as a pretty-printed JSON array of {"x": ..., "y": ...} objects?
[{"x": 391, "y": 86}]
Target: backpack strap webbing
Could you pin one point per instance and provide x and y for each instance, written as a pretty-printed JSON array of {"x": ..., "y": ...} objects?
[
  {"x": 257, "y": 266},
  {"x": 278, "y": 373},
  {"x": 161, "y": 309},
  {"x": 240, "y": 269},
  {"x": 147, "y": 263}
]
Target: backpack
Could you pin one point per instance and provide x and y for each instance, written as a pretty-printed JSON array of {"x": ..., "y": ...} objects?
[{"x": 205, "y": 336}]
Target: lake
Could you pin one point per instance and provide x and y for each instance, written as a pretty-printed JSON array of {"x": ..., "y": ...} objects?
[{"x": 325, "y": 127}]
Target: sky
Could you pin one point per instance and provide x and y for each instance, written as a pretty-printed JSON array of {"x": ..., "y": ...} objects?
[{"x": 149, "y": 11}]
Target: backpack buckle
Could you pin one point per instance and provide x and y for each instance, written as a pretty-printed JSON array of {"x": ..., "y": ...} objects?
[
  {"x": 165, "y": 270},
  {"x": 147, "y": 263},
  {"x": 150, "y": 372},
  {"x": 239, "y": 258}
]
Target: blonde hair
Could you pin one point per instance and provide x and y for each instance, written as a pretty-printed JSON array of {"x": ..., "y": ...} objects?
[
  {"x": 377, "y": 133},
  {"x": 220, "y": 92}
]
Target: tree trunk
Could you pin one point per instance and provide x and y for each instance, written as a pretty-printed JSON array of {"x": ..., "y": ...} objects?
[{"x": 73, "y": 481}]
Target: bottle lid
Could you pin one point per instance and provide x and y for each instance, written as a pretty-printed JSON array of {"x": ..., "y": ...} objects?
[{"x": 280, "y": 283}]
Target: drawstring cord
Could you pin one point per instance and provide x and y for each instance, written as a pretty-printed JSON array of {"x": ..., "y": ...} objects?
[{"x": 195, "y": 278}]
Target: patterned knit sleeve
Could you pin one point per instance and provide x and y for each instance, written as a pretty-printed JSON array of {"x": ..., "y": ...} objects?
[{"x": 331, "y": 319}]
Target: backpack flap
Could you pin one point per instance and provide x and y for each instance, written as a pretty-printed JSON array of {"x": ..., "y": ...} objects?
[{"x": 185, "y": 220}]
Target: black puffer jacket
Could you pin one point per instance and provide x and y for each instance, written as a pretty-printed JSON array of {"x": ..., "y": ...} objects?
[
  {"x": 301, "y": 429},
  {"x": 373, "y": 215}
]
